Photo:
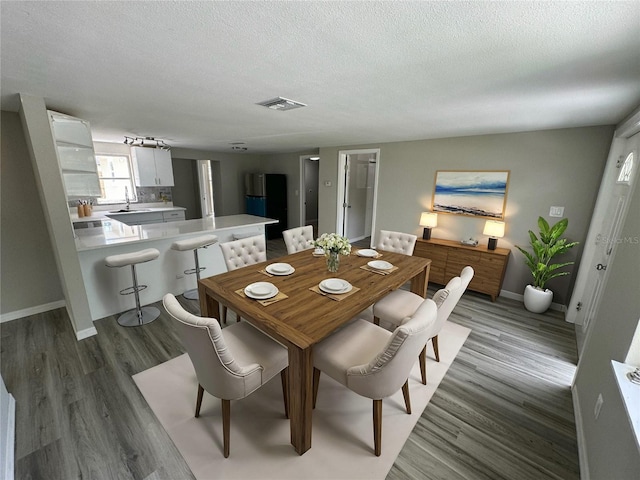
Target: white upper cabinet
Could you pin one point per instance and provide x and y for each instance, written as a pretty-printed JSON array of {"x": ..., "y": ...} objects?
[
  {"x": 74, "y": 148},
  {"x": 152, "y": 167}
]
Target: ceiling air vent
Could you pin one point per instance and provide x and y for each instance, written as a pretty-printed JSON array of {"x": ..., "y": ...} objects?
[{"x": 281, "y": 103}]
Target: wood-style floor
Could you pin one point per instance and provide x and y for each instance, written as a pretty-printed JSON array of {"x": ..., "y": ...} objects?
[{"x": 503, "y": 410}]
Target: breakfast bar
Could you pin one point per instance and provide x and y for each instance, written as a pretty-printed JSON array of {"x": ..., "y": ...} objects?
[{"x": 163, "y": 275}]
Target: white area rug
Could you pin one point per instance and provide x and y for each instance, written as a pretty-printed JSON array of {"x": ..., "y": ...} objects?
[{"x": 342, "y": 441}]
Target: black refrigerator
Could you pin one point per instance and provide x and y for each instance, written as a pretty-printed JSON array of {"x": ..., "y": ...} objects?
[{"x": 266, "y": 196}]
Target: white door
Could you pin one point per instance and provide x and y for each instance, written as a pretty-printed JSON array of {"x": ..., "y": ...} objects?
[
  {"x": 205, "y": 181},
  {"x": 357, "y": 193},
  {"x": 603, "y": 237}
]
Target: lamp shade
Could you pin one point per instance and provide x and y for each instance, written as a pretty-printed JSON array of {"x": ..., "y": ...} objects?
[
  {"x": 429, "y": 219},
  {"x": 493, "y": 228}
]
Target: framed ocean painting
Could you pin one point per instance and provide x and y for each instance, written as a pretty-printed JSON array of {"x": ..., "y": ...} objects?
[{"x": 480, "y": 193}]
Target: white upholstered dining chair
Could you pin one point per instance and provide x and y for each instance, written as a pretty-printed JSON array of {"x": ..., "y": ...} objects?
[
  {"x": 400, "y": 304},
  {"x": 240, "y": 253},
  {"x": 230, "y": 364},
  {"x": 298, "y": 239},
  {"x": 397, "y": 242},
  {"x": 374, "y": 362}
]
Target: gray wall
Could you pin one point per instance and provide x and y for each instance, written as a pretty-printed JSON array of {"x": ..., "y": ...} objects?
[
  {"x": 611, "y": 449},
  {"x": 553, "y": 167},
  {"x": 289, "y": 165},
  {"x": 185, "y": 191},
  {"x": 232, "y": 169},
  {"x": 29, "y": 276}
]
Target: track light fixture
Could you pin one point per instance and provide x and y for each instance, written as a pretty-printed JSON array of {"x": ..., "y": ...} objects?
[{"x": 149, "y": 142}]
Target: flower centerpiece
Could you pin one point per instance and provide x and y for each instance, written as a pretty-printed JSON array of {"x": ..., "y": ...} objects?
[{"x": 333, "y": 245}]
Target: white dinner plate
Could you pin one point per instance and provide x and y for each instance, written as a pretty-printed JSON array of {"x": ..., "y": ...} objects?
[
  {"x": 335, "y": 285},
  {"x": 380, "y": 265},
  {"x": 367, "y": 252},
  {"x": 261, "y": 290},
  {"x": 280, "y": 269}
]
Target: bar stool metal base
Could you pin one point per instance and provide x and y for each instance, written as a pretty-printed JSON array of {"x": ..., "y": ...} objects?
[
  {"x": 191, "y": 294},
  {"x": 131, "y": 318}
]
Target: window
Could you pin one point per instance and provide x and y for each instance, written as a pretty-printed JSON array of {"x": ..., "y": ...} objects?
[
  {"x": 625, "y": 171},
  {"x": 116, "y": 183}
]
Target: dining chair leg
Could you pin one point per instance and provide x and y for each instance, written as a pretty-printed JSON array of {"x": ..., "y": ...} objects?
[
  {"x": 284, "y": 376},
  {"x": 226, "y": 425},
  {"x": 407, "y": 398},
  {"x": 434, "y": 342},
  {"x": 223, "y": 315},
  {"x": 199, "y": 400},
  {"x": 423, "y": 364},
  {"x": 316, "y": 382},
  {"x": 377, "y": 426},
  {"x": 376, "y": 321}
]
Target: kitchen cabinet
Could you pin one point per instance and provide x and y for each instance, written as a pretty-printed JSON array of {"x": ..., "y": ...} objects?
[
  {"x": 152, "y": 167},
  {"x": 74, "y": 149},
  {"x": 148, "y": 217},
  {"x": 449, "y": 257},
  {"x": 173, "y": 216}
]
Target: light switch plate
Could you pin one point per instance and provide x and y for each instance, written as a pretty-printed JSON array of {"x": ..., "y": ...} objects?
[{"x": 556, "y": 211}]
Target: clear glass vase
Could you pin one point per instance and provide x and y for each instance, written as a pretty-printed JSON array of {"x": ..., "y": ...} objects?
[{"x": 333, "y": 261}]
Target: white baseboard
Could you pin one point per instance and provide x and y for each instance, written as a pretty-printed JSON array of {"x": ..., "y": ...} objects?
[
  {"x": 8, "y": 455},
  {"x": 582, "y": 445},
  {"x": 7, "y": 317},
  {"x": 519, "y": 297},
  {"x": 87, "y": 332}
]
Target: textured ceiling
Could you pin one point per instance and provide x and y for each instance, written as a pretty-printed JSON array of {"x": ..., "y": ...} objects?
[{"x": 191, "y": 73}]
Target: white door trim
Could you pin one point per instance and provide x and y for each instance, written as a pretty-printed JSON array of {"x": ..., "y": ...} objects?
[{"x": 342, "y": 160}]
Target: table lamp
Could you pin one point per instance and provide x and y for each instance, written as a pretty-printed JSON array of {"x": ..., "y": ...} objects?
[
  {"x": 494, "y": 230},
  {"x": 428, "y": 220}
]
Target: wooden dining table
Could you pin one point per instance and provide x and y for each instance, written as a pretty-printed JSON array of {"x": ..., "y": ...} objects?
[{"x": 306, "y": 317}]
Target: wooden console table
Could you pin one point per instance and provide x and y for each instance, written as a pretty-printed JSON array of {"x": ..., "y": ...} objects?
[{"x": 449, "y": 257}]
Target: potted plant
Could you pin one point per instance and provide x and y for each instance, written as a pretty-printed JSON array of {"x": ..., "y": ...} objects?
[{"x": 537, "y": 298}]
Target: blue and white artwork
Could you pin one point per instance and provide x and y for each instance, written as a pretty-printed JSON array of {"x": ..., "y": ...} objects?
[{"x": 482, "y": 193}]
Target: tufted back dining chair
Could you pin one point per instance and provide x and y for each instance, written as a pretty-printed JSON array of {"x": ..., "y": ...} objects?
[
  {"x": 400, "y": 304},
  {"x": 243, "y": 252},
  {"x": 230, "y": 364},
  {"x": 374, "y": 362},
  {"x": 397, "y": 242},
  {"x": 299, "y": 238},
  {"x": 240, "y": 253}
]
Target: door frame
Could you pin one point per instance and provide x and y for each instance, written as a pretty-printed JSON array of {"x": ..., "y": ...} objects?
[
  {"x": 303, "y": 189},
  {"x": 342, "y": 161},
  {"x": 620, "y": 147},
  {"x": 203, "y": 191}
]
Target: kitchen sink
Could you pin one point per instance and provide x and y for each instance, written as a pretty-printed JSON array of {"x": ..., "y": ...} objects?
[{"x": 132, "y": 210}]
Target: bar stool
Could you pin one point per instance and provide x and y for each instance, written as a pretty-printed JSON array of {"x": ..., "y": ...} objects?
[
  {"x": 139, "y": 316},
  {"x": 194, "y": 244}
]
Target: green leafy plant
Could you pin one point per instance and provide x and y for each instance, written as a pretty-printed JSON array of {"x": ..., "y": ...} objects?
[{"x": 547, "y": 246}]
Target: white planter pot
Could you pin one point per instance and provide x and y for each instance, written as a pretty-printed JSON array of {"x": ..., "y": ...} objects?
[{"x": 536, "y": 300}]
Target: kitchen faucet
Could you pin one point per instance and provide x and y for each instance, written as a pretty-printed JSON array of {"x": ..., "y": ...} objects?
[{"x": 126, "y": 197}]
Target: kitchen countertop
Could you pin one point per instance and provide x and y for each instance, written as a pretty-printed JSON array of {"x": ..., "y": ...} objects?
[
  {"x": 118, "y": 233},
  {"x": 135, "y": 208}
]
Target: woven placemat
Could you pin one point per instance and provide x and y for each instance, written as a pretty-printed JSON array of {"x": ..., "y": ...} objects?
[
  {"x": 379, "y": 272},
  {"x": 266, "y": 301},
  {"x": 332, "y": 296}
]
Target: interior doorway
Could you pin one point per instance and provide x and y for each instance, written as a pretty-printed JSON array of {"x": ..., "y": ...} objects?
[
  {"x": 357, "y": 193},
  {"x": 197, "y": 187},
  {"x": 309, "y": 182}
]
